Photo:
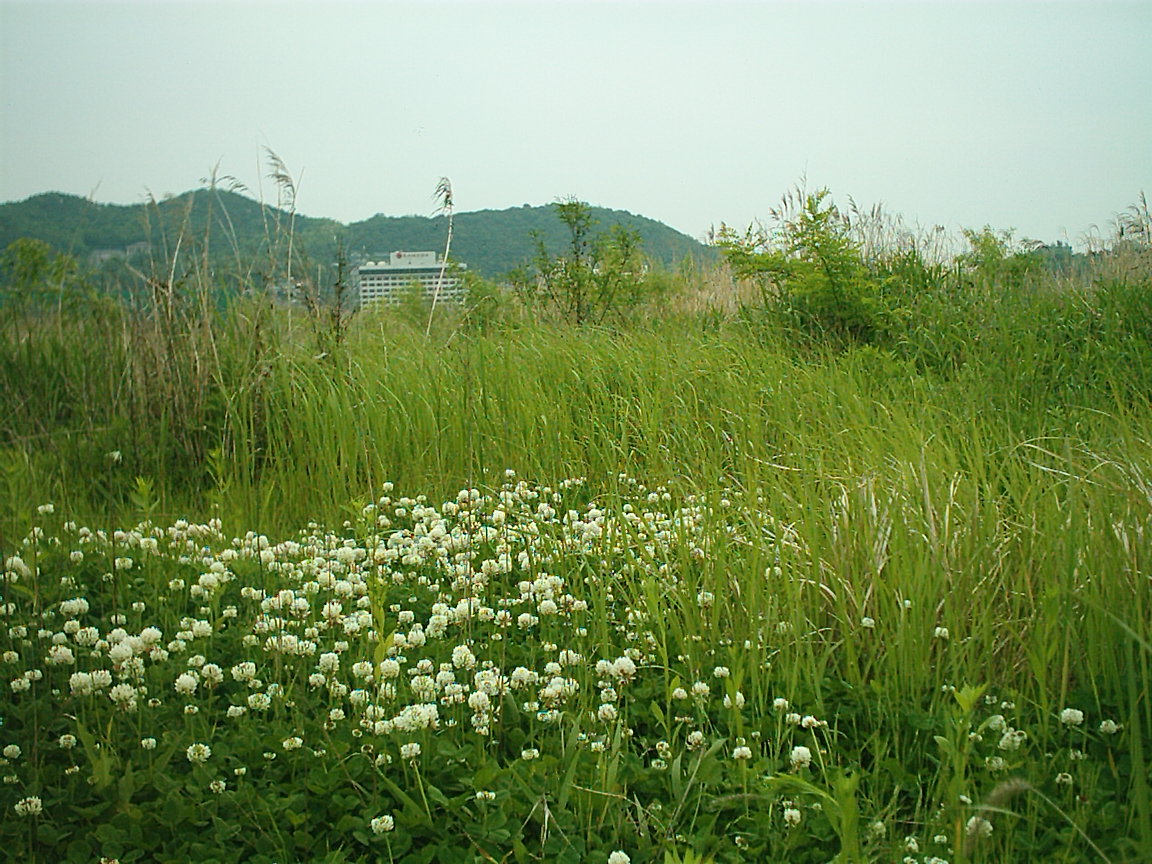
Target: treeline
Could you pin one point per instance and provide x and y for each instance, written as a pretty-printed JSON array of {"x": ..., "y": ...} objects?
[{"x": 491, "y": 243}]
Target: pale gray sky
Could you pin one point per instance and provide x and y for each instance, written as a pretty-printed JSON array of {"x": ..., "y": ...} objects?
[{"x": 1036, "y": 116}]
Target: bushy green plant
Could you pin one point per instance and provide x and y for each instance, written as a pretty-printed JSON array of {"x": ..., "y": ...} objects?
[
  {"x": 812, "y": 275},
  {"x": 994, "y": 258},
  {"x": 595, "y": 279}
]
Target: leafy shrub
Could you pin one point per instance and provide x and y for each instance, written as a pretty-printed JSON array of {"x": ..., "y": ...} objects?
[
  {"x": 812, "y": 274},
  {"x": 596, "y": 278}
]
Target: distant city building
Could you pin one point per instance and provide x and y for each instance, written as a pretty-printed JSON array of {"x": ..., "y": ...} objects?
[
  {"x": 132, "y": 250},
  {"x": 387, "y": 281}
]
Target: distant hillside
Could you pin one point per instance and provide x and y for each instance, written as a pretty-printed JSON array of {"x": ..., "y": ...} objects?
[{"x": 490, "y": 242}]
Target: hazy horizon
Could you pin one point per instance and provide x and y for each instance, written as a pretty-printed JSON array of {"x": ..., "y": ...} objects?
[{"x": 1031, "y": 116}]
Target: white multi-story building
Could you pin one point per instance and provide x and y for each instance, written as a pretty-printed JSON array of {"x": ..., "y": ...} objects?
[{"x": 387, "y": 281}]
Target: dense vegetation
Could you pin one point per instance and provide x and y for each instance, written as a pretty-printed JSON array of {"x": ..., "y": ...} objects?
[{"x": 840, "y": 550}]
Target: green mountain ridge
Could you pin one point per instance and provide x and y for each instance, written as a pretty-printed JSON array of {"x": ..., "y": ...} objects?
[{"x": 489, "y": 242}]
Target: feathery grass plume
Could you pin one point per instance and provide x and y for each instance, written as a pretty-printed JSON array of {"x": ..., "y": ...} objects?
[
  {"x": 286, "y": 191},
  {"x": 446, "y": 206}
]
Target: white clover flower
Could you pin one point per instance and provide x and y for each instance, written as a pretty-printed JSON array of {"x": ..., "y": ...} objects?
[
  {"x": 389, "y": 669},
  {"x": 74, "y": 608},
  {"x": 1110, "y": 727},
  {"x": 529, "y": 754},
  {"x": 868, "y": 623},
  {"x": 1072, "y": 717},
  {"x": 624, "y": 668},
  {"x": 791, "y": 816},
  {"x": 30, "y": 806},
  {"x": 800, "y": 757},
  {"x": 61, "y": 655},
  {"x": 12, "y": 751},
  {"x": 293, "y": 743},
  {"x": 148, "y": 743},
  {"x": 80, "y": 683},
  {"x": 198, "y": 753},
  {"x": 742, "y": 753},
  {"x": 186, "y": 684},
  {"x": 606, "y": 712},
  {"x": 680, "y": 694},
  {"x": 619, "y": 857},
  {"x": 67, "y": 741},
  {"x": 410, "y": 751},
  {"x": 568, "y": 657},
  {"x": 941, "y": 633},
  {"x": 124, "y": 695},
  {"x": 382, "y": 824},
  {"x": 721, "y": 672},
  {"x": 1012, "y": 739},
  {"x": 15, "y": 565},
  {"x": 695, "y": 739},
  {"x": 1063, "y": 779},
  {"x": 978, "y": 826},
  {"x": 463, "y": 658},
  {"x": 780, "y": 704},
  {"x": 217, "y": 786}
]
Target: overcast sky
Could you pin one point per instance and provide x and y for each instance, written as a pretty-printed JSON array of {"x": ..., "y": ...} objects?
[{"x": 1035, "y": 116}]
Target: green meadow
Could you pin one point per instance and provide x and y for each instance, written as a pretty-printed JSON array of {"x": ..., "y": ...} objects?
[{"x": 839, "y": 549}]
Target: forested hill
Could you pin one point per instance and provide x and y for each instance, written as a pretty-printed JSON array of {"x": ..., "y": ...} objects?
[{"x": 490, "y": 242}]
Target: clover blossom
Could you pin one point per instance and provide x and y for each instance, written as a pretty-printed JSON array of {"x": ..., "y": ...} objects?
[
  {"x": 30, "y": 806},
  {"x": 1072, "y": 717},
  {"x": 800, "y": 757}
]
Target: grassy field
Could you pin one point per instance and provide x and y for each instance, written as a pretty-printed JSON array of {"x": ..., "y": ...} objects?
[{"x": 688, "y": 587}]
